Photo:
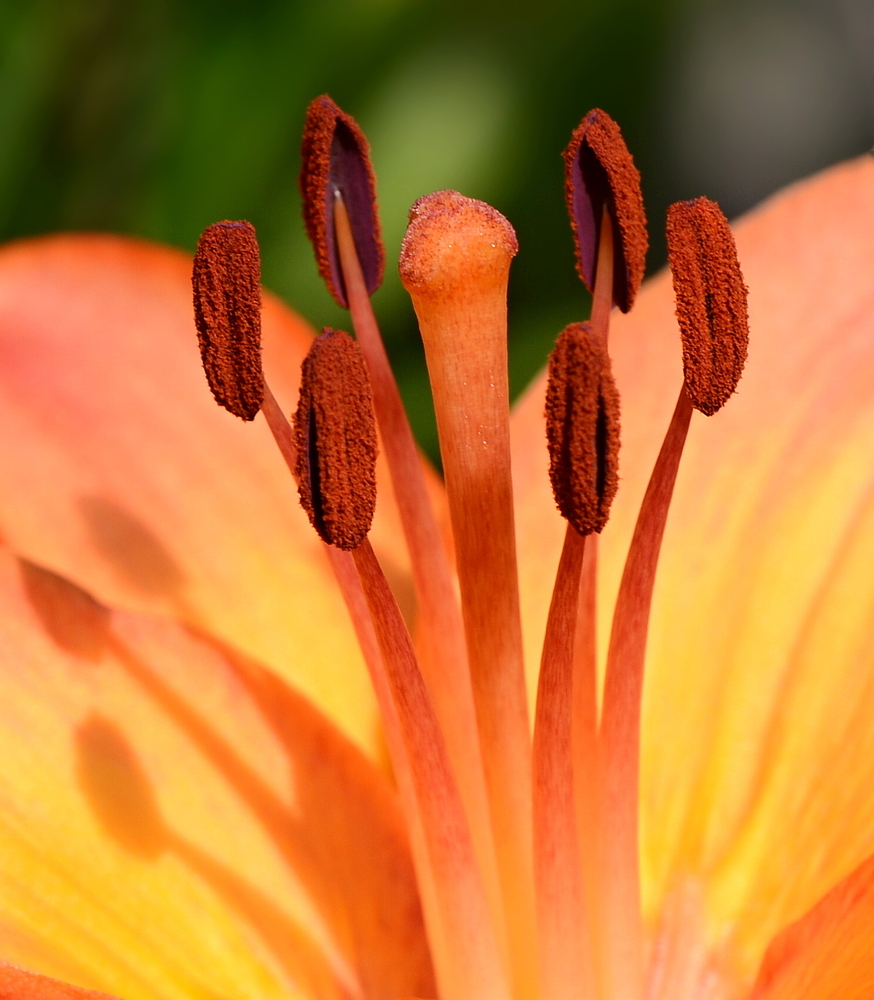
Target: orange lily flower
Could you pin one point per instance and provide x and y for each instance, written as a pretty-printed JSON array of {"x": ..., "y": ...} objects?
[{"x": 195, "y": 795}]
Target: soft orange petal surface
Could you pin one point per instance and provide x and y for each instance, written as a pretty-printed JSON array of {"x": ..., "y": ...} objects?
[
  {"x": 176, "y": 822},
  {"x": 119, "y": 471},
  {"x": 758, "y": 743},
  {"x": 16, "y": 983},
  {"x": 827, "y": 953}
]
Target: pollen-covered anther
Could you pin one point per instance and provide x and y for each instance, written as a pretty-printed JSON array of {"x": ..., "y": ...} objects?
[
  {"x": 335, "y": 157},
  {"x": 582, "y": 428},
  {"x": 711, "y": 301},
  {"x": 335, "y": 433},
  {"x": 599, "y": 172},
  {"x": 227, "y": 312}
]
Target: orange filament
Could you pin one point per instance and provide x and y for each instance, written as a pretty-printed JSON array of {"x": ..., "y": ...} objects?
[
  {"x": 471, "y": 964},
  {"x": 584, "y": 688},
  {"x": 584, "y": 726},
  {"x": 619, "y": 925},
  {"x": 602, "y": 295},
  {"x": 583, "y": 435},
  {"x": 442, "y": 650},
  {"x": 450, "y": 882},
  {"x": 564, "y": 934}
]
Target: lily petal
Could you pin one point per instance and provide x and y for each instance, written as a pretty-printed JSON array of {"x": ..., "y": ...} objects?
[
  {"x": 829, "y": 952},
  {"x": 18, "y": 983},
  {"x": 120, "y": 472},
  {"x": 176, "y": 822},
  {"x": 758, "y": 748}
]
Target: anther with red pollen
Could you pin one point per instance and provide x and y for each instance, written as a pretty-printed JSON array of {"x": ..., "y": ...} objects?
[
  {"x": 582, "y": 428},
  {"x": 336, "y": 158},
  {"x": 227, "y": 312},
  {"x": 711, "y": 301},
  {"x": 335, "y": 432},
  {"x": 604, "y": 201},
  {"x": 226, "y": 282}
]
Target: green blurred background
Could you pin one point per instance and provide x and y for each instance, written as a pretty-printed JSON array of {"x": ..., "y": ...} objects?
[{"x": 157, "y": 117}]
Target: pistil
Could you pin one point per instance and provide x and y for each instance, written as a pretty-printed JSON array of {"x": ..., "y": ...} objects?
[{"x": 455, "y": 263}]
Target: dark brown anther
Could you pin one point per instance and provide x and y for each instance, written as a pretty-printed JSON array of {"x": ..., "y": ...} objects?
[
  {"x": 336, "y": 158},
  {"x": 711, "y": 301},
  {"x": 335, "y": 433},
  {"x": 227, "y": 312},
  {"x": 582, "y": 428},
  {"x": 599, "y": 171}
]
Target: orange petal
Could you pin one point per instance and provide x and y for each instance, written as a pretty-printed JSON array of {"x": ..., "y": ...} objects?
[
  {"x": 758, "y": 753},
  {"x": 829, "y": 952},
  {"x": 17, "y": 984},
  {"x": 120, "y": 471},
  {"x": 177, "y": 822}
]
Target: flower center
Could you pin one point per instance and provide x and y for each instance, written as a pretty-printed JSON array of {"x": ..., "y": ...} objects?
[{"x": 526, "y": 849}]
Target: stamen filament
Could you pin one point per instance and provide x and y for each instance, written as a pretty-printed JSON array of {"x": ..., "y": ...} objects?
[
  {"x": 455, "y": 264},
  {"x": 347, "y": 579},
  {"x": 585, "y": 683},
  {"x": 564, "y": 935},
  {"x": 442, "y": 650},
  {"x": 445, "y": 863},
  {"x": 584, "y": 736},
  {"x": 472, "y": 965},
  {"x": 602, "y": 297},
  {"x": 280, "y": 427},
  {"x": 620, "y": 928},
  {"x": 582, "y": 431}
]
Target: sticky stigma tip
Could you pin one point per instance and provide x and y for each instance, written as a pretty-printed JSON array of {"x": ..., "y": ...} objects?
[{"x": 452, "y": 241}]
